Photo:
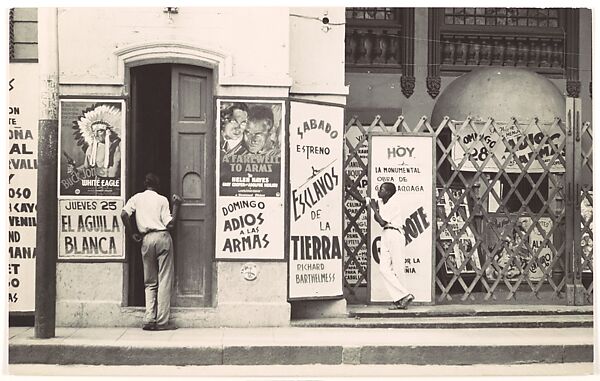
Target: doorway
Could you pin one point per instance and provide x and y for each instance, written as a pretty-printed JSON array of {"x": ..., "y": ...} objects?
[{"x": 172, "y": 135}]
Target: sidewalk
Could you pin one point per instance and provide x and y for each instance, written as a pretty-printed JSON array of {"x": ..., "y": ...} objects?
[
  {"x": 303, "y": 345},
  {"x": 366, "y": 372}
]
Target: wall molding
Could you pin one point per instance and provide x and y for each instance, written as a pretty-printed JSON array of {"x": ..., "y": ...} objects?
[
  {"x": 434, "y": 81},
  {"x": 173, "y": 51},
  {"x": 407, "y": 81}
]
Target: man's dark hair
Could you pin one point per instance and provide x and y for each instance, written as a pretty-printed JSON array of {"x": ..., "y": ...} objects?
[
  {"x": 151, "y": 181},
  {"x": 227, "y": 112},
  {"x": 260, "y": 112},
  {"x": 390, "y": 187}
]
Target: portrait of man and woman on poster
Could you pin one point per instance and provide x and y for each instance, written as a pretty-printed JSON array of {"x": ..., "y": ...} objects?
[{"x": 250, "y": 148}]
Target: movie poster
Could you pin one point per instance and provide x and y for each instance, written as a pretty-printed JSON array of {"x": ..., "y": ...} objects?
[
  {"x": 478, "y": 143},
  {"x": 250, "y": 148},
  {"x": 91, "y": 147},
  {"x": 250, "y": 192},
  {"x": 22, "y": 185},
  {"x": 455, "y": 241},
  {"x": 407, "y": 162},
  {"x": 316, "y": 197},
  {"x": 520, "y": 248},
  {"x": 90, "y": 229}
]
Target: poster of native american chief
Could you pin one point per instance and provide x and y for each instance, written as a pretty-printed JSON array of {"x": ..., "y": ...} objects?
[{"x": 91, "y": 148}]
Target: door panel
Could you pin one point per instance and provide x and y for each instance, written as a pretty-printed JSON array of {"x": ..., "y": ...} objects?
[
  {"x": 192, "y": 166},
  {"x": 193, "y": 177}
]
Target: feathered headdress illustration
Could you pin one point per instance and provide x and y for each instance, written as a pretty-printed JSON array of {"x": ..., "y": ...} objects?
[{"x": 84, "y": 127}]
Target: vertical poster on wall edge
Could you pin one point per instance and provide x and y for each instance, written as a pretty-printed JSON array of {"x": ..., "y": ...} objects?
[
  {"x": 316, "y": 196},
  {"x": 23, "y": 94}
]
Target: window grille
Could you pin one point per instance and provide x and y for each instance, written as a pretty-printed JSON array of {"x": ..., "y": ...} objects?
[
  {"x": 387, "y": 14},
  {"x": 525, "y": 17},
  {"x": 543, "y": 40},
  {"x": 23, "y": 35}
]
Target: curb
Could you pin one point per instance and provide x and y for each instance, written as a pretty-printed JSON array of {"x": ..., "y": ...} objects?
[
  {"x": 440, "y": 323},
  {"x": 65, "y": 354}
]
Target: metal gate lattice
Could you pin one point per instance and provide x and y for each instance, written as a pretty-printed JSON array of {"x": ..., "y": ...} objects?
[
  {"x": 355, "y": 213},
  {"x": 585, "y": 217},
  {"x": 501, "y": 217}
]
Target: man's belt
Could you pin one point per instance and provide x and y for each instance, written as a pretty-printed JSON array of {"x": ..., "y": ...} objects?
[{"x": 155, "y": 231}]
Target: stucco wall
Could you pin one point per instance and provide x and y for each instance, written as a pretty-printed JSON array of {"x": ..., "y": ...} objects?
[
  {"x": 255, "y": 52},
  {"x": 254, "y": 39},
  {"x": 89, "y": 294},
  {"x": 317, "y": 54}
]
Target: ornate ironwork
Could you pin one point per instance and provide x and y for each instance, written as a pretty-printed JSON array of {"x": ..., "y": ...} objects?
[
  {"x": 380, "y": 39},
  {"x": 501, "y": 209},
  {"x": 369, "y": 13},
  {"x": 373, "y": 47},
  {"x": 522, "y": 17},
  {"x": 545, "y": 40},
  {"x": 355, "y": 212},
  {"x": 584, "y": 236},
  {"x": 471, "y": 50}
]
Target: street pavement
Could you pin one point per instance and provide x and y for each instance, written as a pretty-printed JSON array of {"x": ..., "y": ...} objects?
[
  {"x": 567, "y": 371},
  {"x": 303, "y": 346}
]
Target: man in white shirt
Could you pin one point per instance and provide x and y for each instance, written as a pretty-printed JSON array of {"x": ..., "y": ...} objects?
[
  {"x": 387, "y": 213},
  {"x": 154, "y": 222}
]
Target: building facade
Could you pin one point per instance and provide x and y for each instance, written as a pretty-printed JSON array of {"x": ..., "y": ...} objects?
[{"x": 277, "y": 233}]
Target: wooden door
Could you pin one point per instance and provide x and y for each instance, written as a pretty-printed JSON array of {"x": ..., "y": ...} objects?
[{"x": 193, "y": 177}]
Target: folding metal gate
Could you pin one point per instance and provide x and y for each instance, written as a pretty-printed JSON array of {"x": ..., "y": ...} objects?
[{"x": 514, "y": 209}]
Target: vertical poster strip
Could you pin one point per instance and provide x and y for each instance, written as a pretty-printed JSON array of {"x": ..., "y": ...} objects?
[
  {"x": 316, "y": 151},
  {"x": 91, "y": 148},
  {"x": 22, "y": 185},
  {"x": 250, "y": 186},
  {"x": 406, "y": 161}
]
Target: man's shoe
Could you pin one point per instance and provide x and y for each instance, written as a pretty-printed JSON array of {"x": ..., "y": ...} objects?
[
  {"x": 404, "y": 302},
  {"x": 165, "y": 327},
  {"x": 397, "y": 305},
  {"x": 149, "y": 327}
]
